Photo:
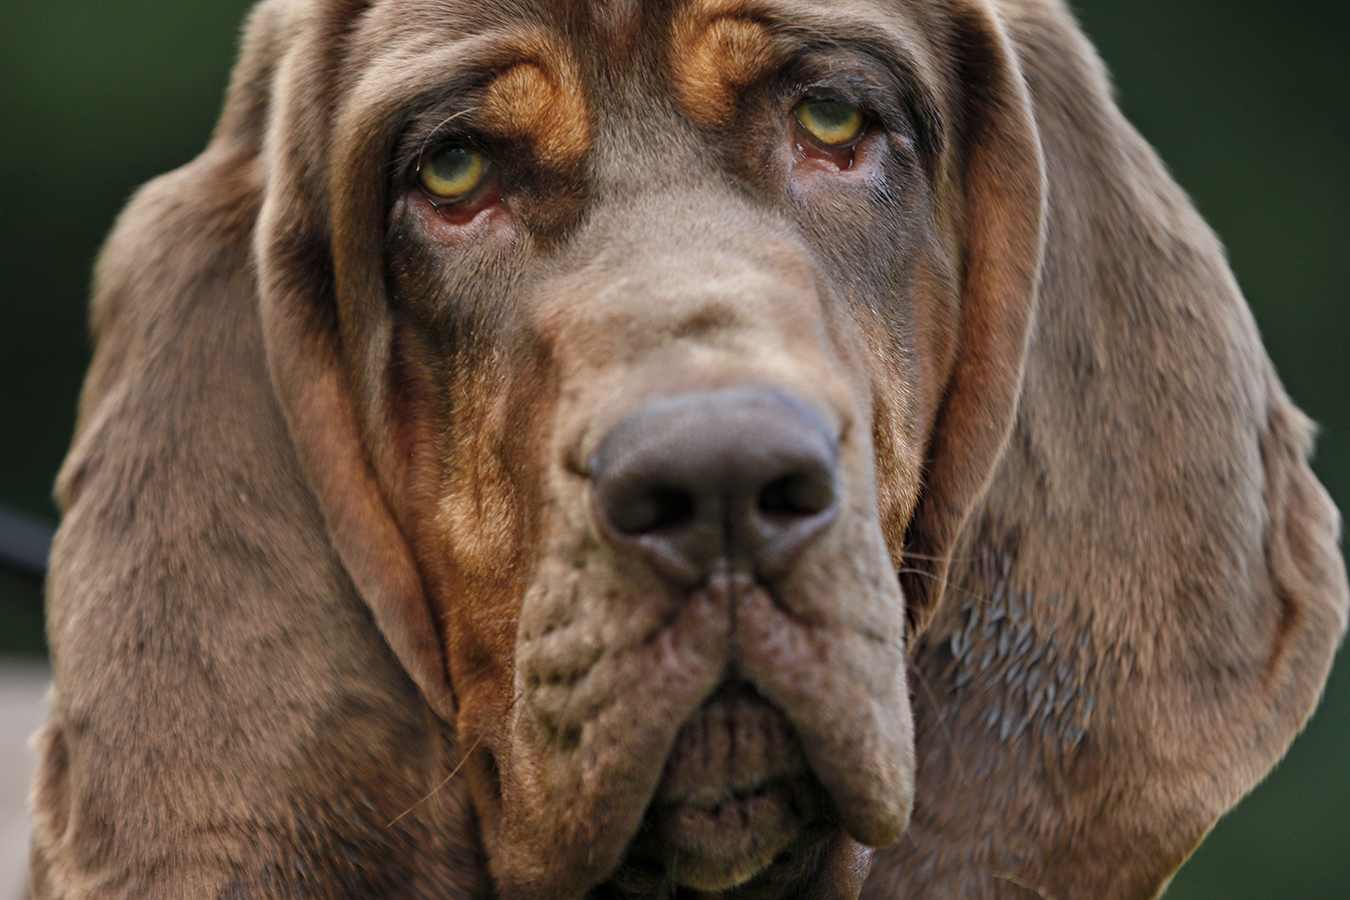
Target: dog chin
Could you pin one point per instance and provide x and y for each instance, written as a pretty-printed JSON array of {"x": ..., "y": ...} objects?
[{"x": 736, "y": 802}]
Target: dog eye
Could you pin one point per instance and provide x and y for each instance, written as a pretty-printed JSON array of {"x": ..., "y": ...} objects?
[
  {"x": 451, "y": 173},
  {"x": 831, "y": 122}
]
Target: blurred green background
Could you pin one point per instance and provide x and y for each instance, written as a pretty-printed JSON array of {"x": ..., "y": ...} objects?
[{"x": 1247, "y": 100}]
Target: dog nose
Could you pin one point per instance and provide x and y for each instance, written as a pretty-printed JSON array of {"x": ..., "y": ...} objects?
[{"x": 743, "y": 478}]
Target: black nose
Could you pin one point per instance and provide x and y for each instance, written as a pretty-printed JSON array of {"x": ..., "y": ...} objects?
[{"x": 744, "y": 477}]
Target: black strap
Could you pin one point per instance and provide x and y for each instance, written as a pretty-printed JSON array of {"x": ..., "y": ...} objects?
[{"x": 25, "y": 542}]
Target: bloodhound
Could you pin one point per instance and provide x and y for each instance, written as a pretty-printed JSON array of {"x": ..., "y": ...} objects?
[{"x": 700, "y": 448}]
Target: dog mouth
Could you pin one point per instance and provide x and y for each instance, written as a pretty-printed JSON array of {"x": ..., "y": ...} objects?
[
  {"x": 736, "y": 802},
  {"x": 734, "y": 742}
]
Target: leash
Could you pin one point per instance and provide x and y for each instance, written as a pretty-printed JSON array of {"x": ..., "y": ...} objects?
[{"x": 25, "y": 542}]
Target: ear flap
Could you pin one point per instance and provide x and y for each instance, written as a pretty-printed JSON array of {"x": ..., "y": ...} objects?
[
  {"x": 1000, "y": 186},
  {"x": 1145, "y": 601},
  {"x": 319, "y": 357},
  {"x": 208, "y": 646}
]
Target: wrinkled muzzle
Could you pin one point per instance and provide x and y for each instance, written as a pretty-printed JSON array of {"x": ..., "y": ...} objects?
[{"x": 710, "y": 669}]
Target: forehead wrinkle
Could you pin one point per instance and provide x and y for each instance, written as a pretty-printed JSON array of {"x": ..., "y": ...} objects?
[
  {"x": 711, "y": 62},
  {"x": 395, "y": 86},
  {"x": 523, "y": 84}
]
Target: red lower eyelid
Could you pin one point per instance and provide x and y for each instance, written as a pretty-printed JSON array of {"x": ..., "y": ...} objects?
[
  {"x": 811, "y": 147},
  {"x": 461, "y": 212},
  {"x": 840, "y": 156}
]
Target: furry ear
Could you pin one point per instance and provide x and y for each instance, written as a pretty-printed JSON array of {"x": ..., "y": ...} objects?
[
  {"x": 1145, "y": 602},
  {"x": 331, "y": 365},
  {"x": 221, "y": 696},
  {"x": 999, "y": 185}
]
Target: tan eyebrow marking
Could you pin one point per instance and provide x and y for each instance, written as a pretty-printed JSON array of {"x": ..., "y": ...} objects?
[
  {"x": 540, "y": 99},
  {"x": 716, "y": 51}
]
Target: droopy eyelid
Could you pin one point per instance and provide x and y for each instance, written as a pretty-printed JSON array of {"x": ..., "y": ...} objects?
[
  {"x": 455, "y": 130},
  {"x": 869, "y": 68}
]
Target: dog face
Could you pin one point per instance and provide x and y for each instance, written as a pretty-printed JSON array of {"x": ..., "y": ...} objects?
[
  {"x": 589, "y": 407},
  {"x": 655, "y": 282}
]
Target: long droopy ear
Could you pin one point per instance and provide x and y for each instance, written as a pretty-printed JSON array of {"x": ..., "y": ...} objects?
[
  {"x": 998, "y": 185},
  {"x": 1143, "y": 606},
  {"x": 221, "y": 696},
  {"x": 330, "y": 372}
]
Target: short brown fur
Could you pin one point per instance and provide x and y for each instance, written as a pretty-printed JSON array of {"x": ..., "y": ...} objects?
[{"x": 332, "y": 609}]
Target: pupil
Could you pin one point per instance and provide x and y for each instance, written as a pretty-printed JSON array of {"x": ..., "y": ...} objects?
[
  {"x": 452, "y": 164},
  {"x": 833, "y": 114}
]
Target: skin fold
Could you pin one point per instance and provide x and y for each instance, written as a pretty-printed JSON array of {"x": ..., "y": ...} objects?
[{"x": 739, "y": 449}]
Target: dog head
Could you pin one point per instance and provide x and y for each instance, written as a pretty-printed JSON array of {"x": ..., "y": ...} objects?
[
  {"x": 654, "y": 367},
  {"x": 644, "y": 320}
]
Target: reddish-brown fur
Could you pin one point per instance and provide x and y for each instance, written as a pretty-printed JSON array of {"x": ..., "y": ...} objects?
[
  {"x": 716, "y": 55},
  {"x": 330, "y": 610},
  {"x": 544, "y": 108}
]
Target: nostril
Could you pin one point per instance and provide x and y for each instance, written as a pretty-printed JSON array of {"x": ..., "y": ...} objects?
[
  {"x": 656, "y": 508},
  {"x": 797, "y": 494}
]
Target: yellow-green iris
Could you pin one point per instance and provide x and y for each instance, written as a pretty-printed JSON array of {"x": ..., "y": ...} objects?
[
  {"x": 830, "y": 121},
  {"x": 453, "y": 172}
]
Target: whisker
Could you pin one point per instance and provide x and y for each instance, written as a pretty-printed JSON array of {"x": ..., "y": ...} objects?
[
  {"x": 917, "y": 675},
  {"x": 910, "y": 570},
  {"x": 463, "y": 758},
  {"x": 439, "y": 125},
  {"x": 945, "y": 583},
  {"x": 505, "y": 620},
  {"x": 924, "y": 556},
  {"x": 1017, "y": 882}
]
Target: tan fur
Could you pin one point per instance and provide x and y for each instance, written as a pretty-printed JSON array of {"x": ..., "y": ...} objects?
[
  {"x": 527, "y": 102},
  {"x": 330, "y": 612},
  {"x": 716, "y": 53}
]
